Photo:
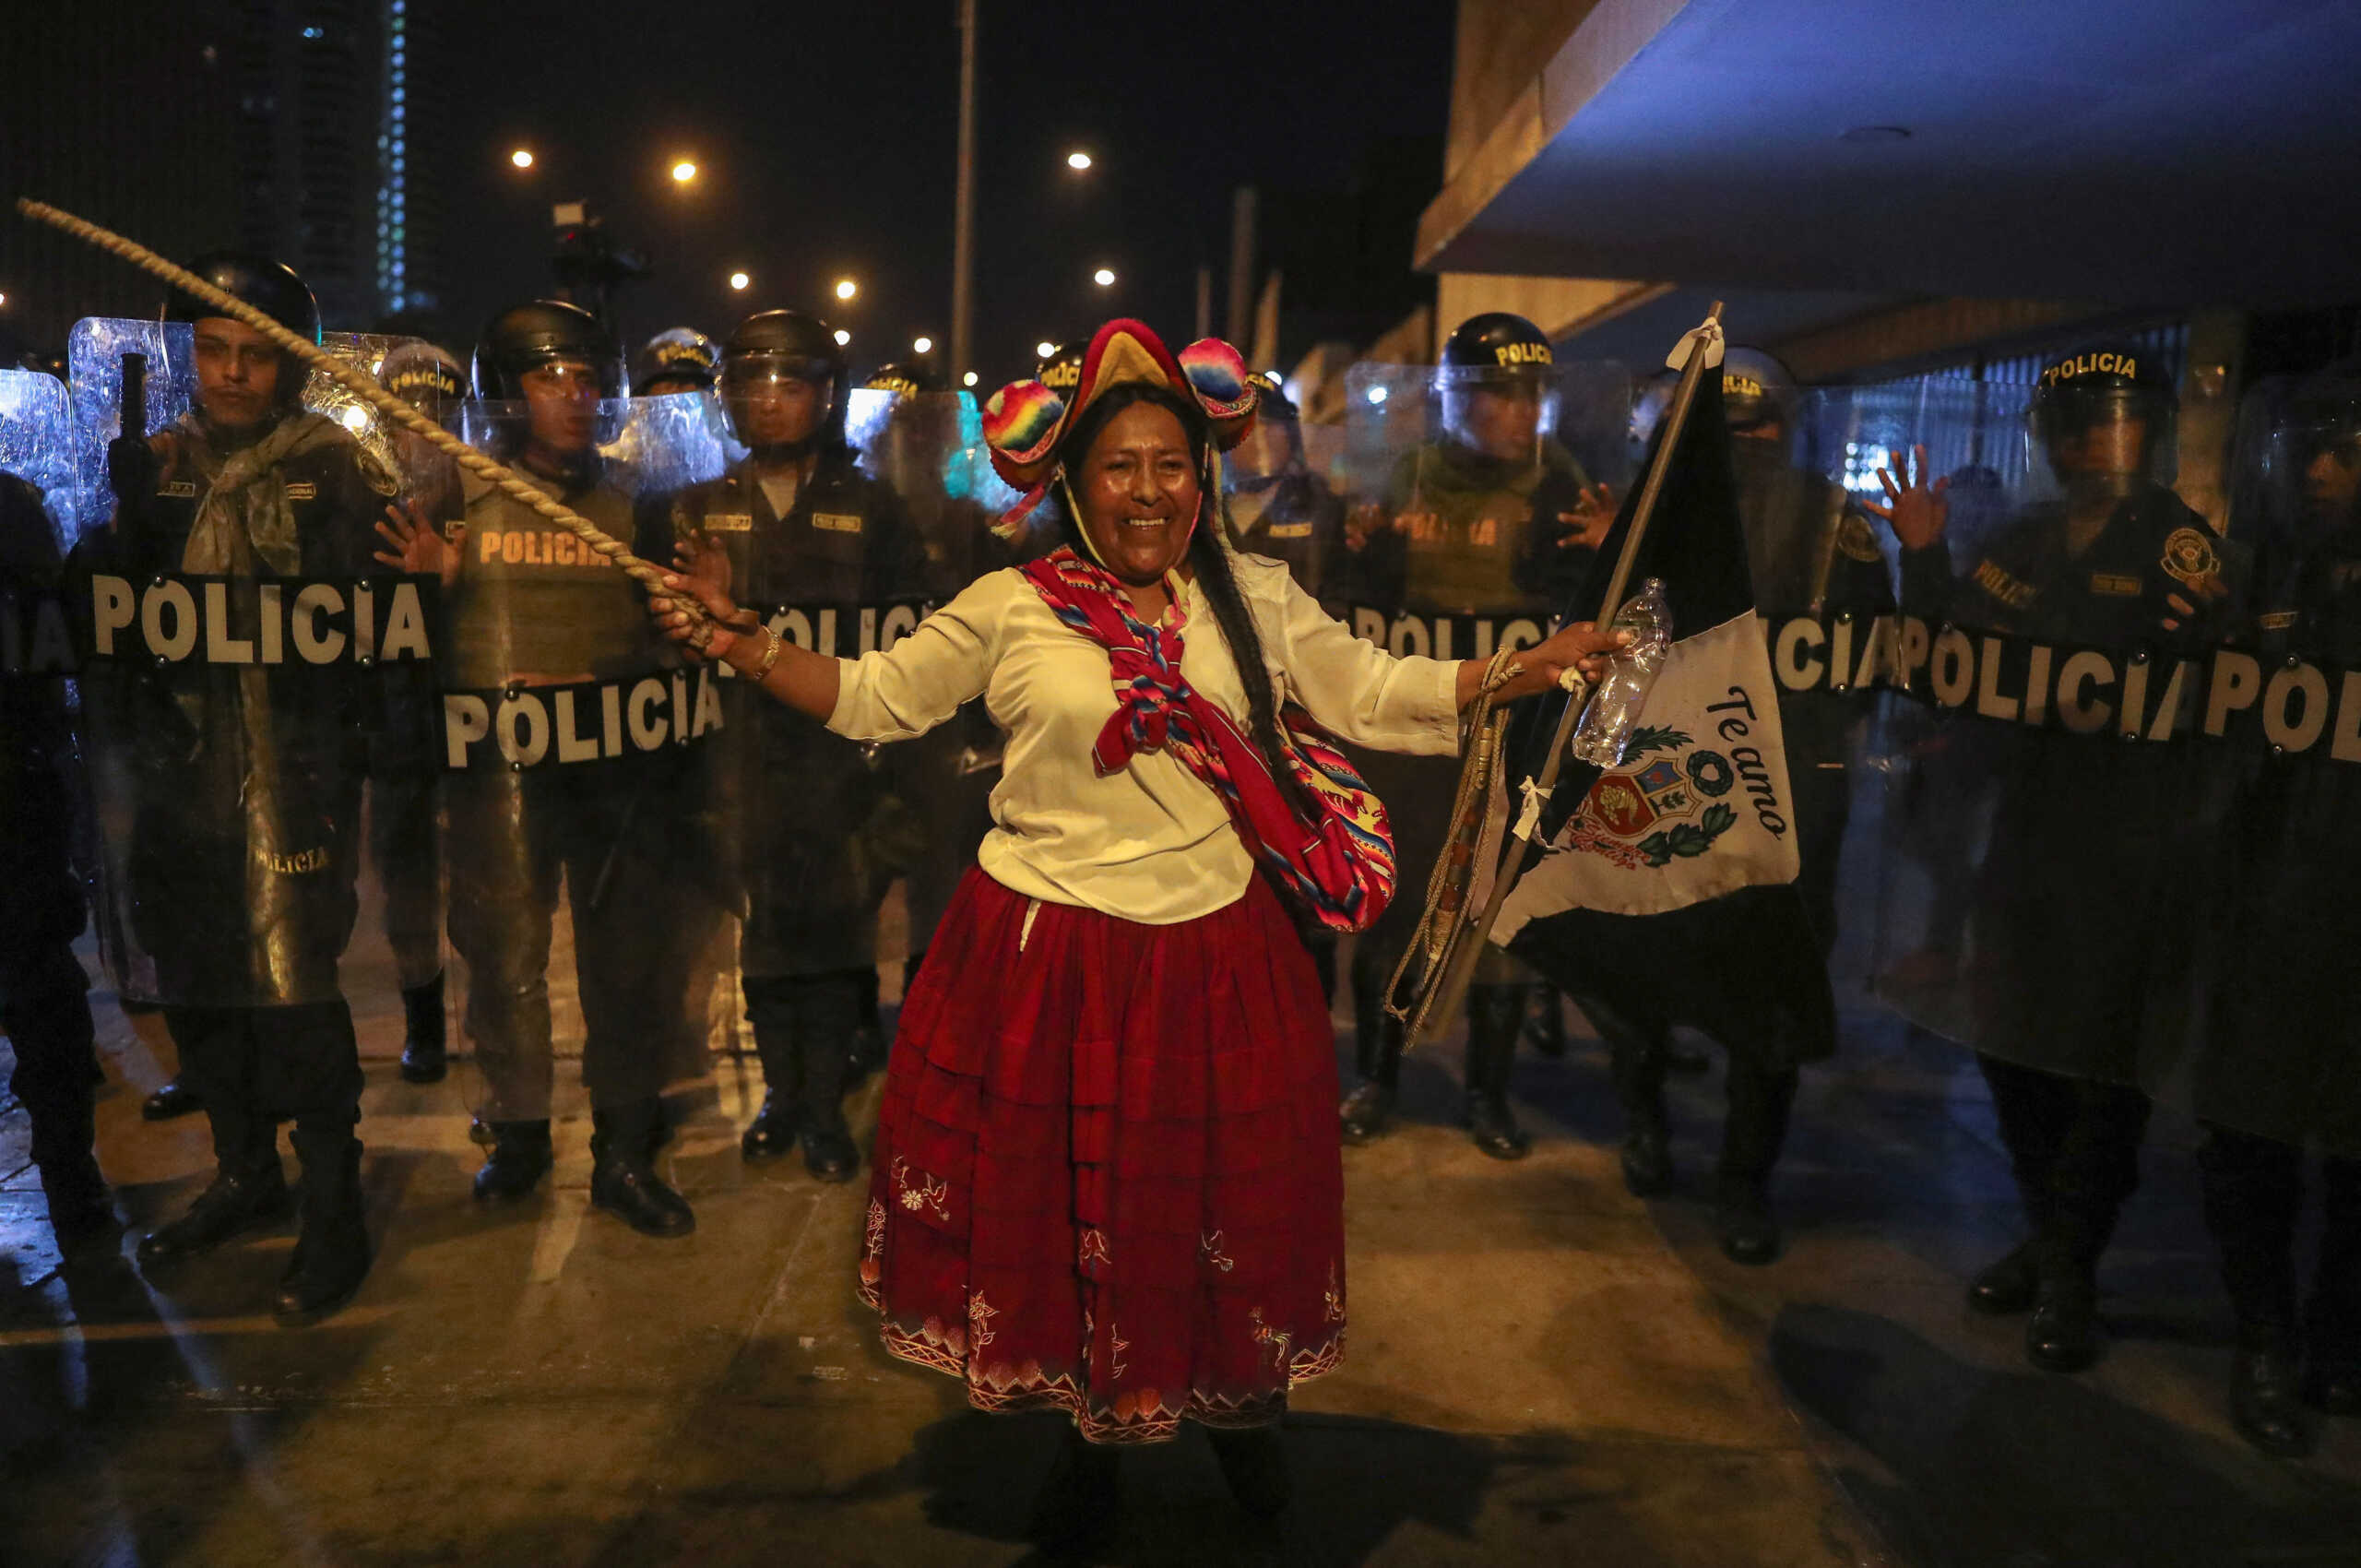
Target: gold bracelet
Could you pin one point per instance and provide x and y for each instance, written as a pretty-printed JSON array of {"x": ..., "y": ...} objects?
[{"x": 770, "y": 654}]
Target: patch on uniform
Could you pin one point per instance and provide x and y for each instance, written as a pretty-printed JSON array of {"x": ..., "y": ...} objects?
[
  {"x": 1854, "y": 538},
  {"x": 2188, "y": 556},
  {"x": 2276, "y": 620},
  {"x": 837, "y": 522},
  {"x": 454, "y": 531},
  {"x": 374, "y": 474},
  {"x": 1288, "y": 531},
  {"x": 179, "y": 489},
  {"x": 2115, "y": 585},
  {"x": 302, "y": 490},
  {"x": 2009, "y": 590},
  {"x": 730, "y": 522}
]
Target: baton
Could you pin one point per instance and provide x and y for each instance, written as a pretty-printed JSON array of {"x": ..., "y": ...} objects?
[{"x": 1470, "y": 945}]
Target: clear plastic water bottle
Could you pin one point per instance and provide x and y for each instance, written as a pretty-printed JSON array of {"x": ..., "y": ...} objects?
[{"x": 1622, "y": 695}]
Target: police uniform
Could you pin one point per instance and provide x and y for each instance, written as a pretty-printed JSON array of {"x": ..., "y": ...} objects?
[
  {"x": 1463, "y": 533},
  {"x": 2081, "y": 951},
  {"x": 815, "y": 875},
  {"x": 533, "y": 605},
  {"x": 44, "y": 1006},
  {"x": 2279, "y": 1066},
  {"x": 244, "y": 793}
]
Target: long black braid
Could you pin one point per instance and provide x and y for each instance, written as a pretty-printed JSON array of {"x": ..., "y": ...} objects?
[{"x": 1206, "y": 553}]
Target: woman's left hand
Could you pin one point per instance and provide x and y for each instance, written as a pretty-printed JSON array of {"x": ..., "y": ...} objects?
[{"x": 1581, "y": 647}]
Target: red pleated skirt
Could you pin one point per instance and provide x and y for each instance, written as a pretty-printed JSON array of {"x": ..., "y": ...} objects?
[{"x": 1106, "y": 1177}]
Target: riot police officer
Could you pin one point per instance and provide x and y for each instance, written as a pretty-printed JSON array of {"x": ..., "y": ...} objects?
[
  {"x": 799, "y": 524},
  {"x": 241, "y": 866},
  {"x": 1810, "y": 552},
  {"x": 2080, "y": 948},
  {"x": 679, "y": 359},
  {"x": 44, "y": 1006},
  {"x": 405, "y": 840},
  {"x": 528, "y": 607},
  {"x": 1492, "y": 516},
  {"x": 2276, "y": 1071}
]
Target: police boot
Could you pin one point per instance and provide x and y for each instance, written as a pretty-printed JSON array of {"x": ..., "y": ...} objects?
[
  {"x": 1377, "y": 1052},
  {"x": 829, "y": 1153},
  {"x": 423, "y": 1059},
  {"x": 520, "y": 1157},
  {"x": 623, "y": 1177},
  {"x": 2264, "y": 1403},
  {"x": 772, "y": 1131},
  {"x": 1637, "y": 1061},
  {"x": 1761, "y": 1100},
  {"x": 176, "y": 1098},
  {"x": 2332, "y": 1382},
  {"x": 53, "y": 1037},
  {"x": 332, "y": 1252},
  {"x": 1545, "y": 1030},
  {"x": 2062, "y": 1336},
  {"x": 1495, "y": 1017},
  {"x": 247, "y": 1193},
  {"x": 2006, "y": 1286},
  {"x": 1254, "y": 1463}
]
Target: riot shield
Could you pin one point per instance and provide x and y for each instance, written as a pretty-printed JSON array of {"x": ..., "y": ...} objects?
[
  {"x": 239, "y": 643},
  {"x": 1472, "y": 513},
  {"x": 588, "y": 889},
  {"x": 1280, "y": 502},
  {"x": 2278, "y": 1053},
  {"x": 2047, "y": 811},
  {"x": 41, "y": 904}
]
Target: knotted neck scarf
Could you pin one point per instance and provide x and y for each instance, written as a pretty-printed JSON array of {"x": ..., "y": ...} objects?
[
  {"x": 1341, "y": 866},
  {"x": 244, "y": 521}
]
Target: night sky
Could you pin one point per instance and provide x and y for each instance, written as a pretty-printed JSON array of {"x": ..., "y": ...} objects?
[{"x": 827, "y": 139}]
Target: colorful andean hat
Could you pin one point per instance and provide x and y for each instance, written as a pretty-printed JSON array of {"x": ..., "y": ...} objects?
[{"x": 1025, "y": 420}]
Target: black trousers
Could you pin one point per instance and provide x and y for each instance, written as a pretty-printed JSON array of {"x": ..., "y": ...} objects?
[
  {"x": 2074, "y": 1144},
  {"x": 2254, "y": 1197},
  {"x": 46, "y": 1012},
  {"x": 258, "y": 1066},
  {"x": 803, "y": 1031},
  {"x": 1762, "y": 1097}
]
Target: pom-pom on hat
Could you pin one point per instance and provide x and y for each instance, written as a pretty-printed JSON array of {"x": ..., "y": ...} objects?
[{"x": 1025, "y": 420}]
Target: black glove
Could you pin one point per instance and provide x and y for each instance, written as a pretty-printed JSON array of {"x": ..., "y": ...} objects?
[{"x": 132, "y": 470}]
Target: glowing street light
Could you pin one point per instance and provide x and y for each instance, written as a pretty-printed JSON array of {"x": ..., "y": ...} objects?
[
  {"x": 843, "y": 336},
  {"x": 683, "y": 172},
  {"x": 968, "y": 379},
  {"x": 739, "y": 280},
  {"x": 921, "y": 345},
  {"x": 1078, "y": 160},
  {"x": 1104, "y": 277},
  {"x": 522, "y": 158},
  {"x": 1044, "y": 349},
  {"x": 847, "y": 287}
]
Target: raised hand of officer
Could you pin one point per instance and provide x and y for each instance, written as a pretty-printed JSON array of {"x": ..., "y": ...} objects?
[
  {"x": 1363, "y": 523},
  {"x": 1586, "y": 525},
  {"x": 1919, "y": 511},
  {"x": 2195, "y": 605},
  {"x": 418, "y": 547}
]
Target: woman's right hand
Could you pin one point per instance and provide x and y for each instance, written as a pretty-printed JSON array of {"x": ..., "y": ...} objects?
[{"x": 727, "y": 624}]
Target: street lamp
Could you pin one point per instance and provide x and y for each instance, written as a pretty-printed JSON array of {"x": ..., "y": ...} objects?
[
  {"x": 1104, "y": 277},
  {"x": 522, "y": 158},
  {"x": 968, "y": 379},
  {"x": 921, "y": 345},
  {"x": 1044, "y": 349},
  {"x": 843, "y": 336},
  {"x": 1078, "y": 160},
  {"x": 683, "y": 172},
  {"x": 739, "y": 280},
  {"x": 847, "y": 287}
]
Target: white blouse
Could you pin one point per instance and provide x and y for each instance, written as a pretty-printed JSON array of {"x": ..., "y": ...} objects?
[{"x": 1152, "y": 843}]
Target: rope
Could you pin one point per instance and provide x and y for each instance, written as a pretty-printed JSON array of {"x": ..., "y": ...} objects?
[
  {"x": 1474, "y": 810},
  {"x": 364, "y": 386}
]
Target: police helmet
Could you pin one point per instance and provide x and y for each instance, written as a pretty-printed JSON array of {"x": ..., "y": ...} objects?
[
  {"x": 1271, "y": 402},
  {"x": 904, "y": 377},
  {"x": 540, "y": 332},
  {"x": 678, "y": 354},
  {"x": 271, "y": 286},
  {"x": 2322, "y": 419},
  {"x": 2102, "y": 381},
  {"x": 1060, "y": 371},
  {"x": 1497, "y": 342},
  {"x": 424, "y": 376},
  {"x": 1757, "y": 390},
  {"x": 803, "y": 344}
]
